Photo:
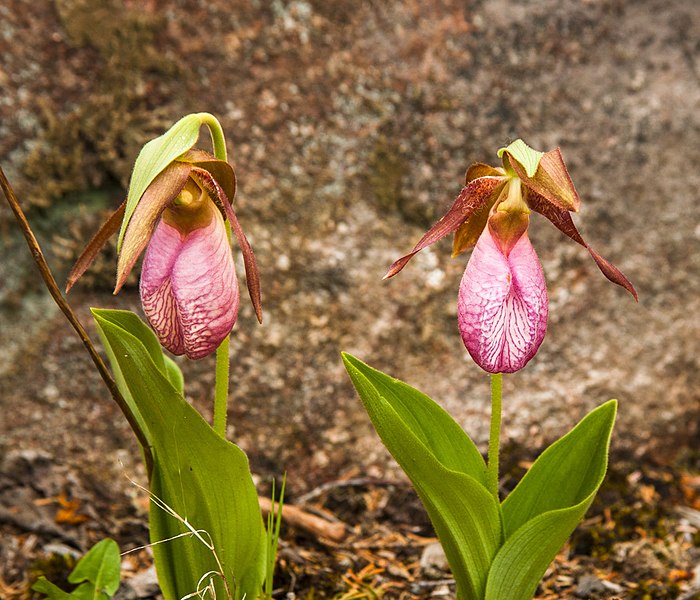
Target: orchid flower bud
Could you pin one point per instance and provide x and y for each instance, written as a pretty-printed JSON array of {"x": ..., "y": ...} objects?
[
  {"x": 178, "y": 205},
  {"x": 502, "y": 303}
]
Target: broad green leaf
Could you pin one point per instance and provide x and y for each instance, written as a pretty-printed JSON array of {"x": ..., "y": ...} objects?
[
  {"x": 173, "y": 374},
  {"x": 565, "y": 473},
  {"x": 100, "y": 566},
  {"x": 202, "y": 477},
  {"x": 130, "y": 322},
  {"x": 545, "y": 507},
  {"x": 155, "y": 156},
  {"x": 52, "y": 591},
  {"x": 431, "y": 424},
  {"x": 88, "y": 591},
  {"x": 121, "y": 384},
  {"x": 445, "y": 468},
  {"x": 85, "y": 591},
  {"x": 526, "y": 156}
]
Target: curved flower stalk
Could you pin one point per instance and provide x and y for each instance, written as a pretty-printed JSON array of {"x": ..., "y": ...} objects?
[
  {"x": 189, "y": 288},
  {"x": 502, "y": 305}
]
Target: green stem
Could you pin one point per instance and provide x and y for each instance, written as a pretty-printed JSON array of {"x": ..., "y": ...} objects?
[
  {"x": 221, "y": 388},
  {"x": 222, "y": 361},
  {"x": 217, "y": 135},
  {"x": 494, "y": 434}
]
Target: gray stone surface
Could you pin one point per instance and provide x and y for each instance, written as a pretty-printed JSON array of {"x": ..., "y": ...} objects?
[{"x": 350, "y": 128}]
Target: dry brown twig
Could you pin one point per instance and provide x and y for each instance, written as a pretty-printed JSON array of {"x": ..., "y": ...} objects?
[
  {"x": 58, "y": 298},
  {"x": 298, "y": 517}
]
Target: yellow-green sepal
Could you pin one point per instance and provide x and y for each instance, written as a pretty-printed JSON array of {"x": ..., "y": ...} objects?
[
  {"x": 542, "y": 172},
  {"x": 156, "y": 155},
  {"x": 526, "y": 156}
]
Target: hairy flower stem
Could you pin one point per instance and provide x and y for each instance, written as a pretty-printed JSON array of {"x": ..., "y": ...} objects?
[
  {"x": 222, "y": 359},
  {"x": 494, "y": 434}
]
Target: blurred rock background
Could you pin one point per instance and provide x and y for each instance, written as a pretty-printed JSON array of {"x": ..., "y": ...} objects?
[{"x": 350, "y": 125}]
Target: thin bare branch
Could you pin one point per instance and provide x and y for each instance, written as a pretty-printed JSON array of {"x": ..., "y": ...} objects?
[
  {"x": 55, "y": 292},
  {"x": 298, "y": 517}
]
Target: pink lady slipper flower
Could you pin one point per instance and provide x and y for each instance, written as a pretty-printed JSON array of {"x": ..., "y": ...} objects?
[
  {"x": 502, "y": 302},
  {"x": 189, "y": 289}
]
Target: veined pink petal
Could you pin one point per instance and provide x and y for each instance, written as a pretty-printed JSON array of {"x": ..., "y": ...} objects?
[
  {"x": 502, "y": 306},
  {"x": 189, "y": 288},
  {"x": 156, "y": 287}
]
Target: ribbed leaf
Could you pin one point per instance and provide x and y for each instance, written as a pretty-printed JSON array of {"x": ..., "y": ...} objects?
[
  {"x": 445, "y": 468},
  {"x": 202, "y": 477},
  {"x": 173, "y": 374},
  {"x": 428, "y": 422},
  {"x": 98, "y": 573},
  {"x": 129, "y": 321},
  {"x": 545, "y": 507}
]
